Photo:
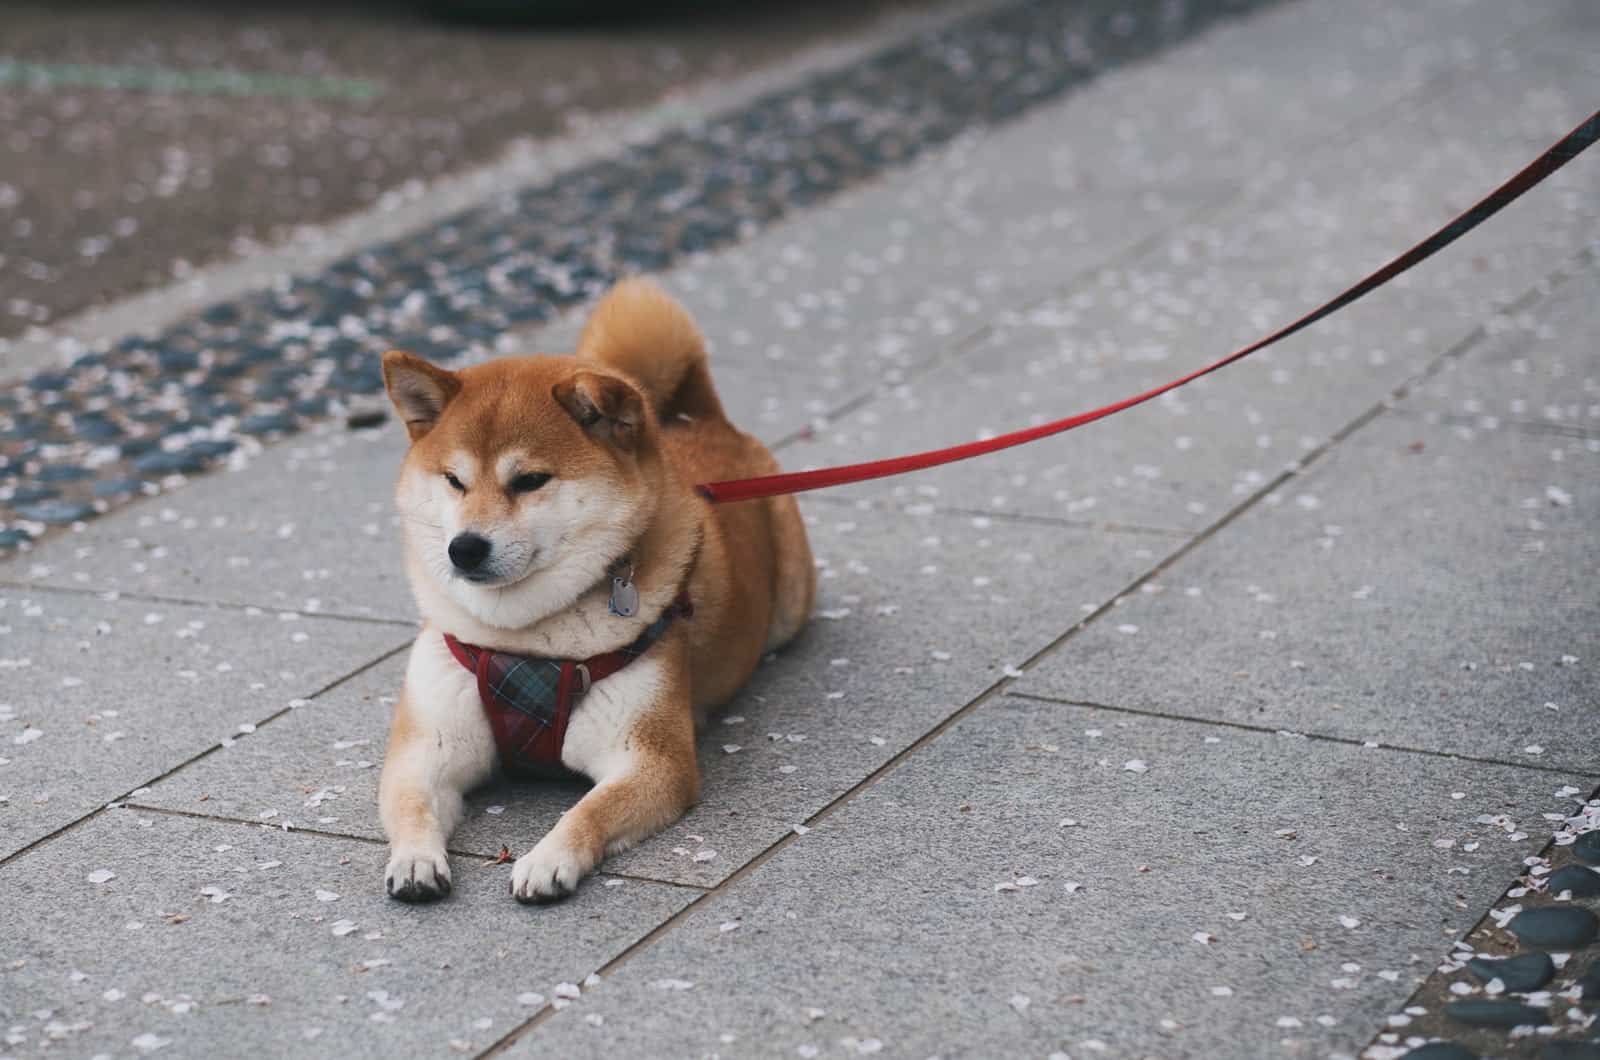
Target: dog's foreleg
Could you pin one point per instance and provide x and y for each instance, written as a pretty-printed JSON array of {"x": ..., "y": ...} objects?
[
  {"x": 614, "y": 815},
  {"x": 635, "y": 736},
  {"x": 440, "y": 747}
]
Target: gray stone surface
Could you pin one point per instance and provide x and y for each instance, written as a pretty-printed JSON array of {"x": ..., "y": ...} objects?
[
  {"x": 886, "y": 916},
  {"x": 1152, "y": 220},
  {"x": 917, "y": 616},
  {"x": 308, "y": 525},
  {"x": 99, "y": 696},
  {"x": 1416, "y": 587},
  {"x": 1540, "y": 368},
  {"x": 1220, "y": 281},
  {"x": 265, "y": 971}
]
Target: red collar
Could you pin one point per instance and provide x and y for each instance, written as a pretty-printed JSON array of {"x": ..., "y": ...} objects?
[{"x": 529, "y": 699}]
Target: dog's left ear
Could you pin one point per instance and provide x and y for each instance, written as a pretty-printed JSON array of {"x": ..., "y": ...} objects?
[
  {"x": 610, "y": 409},
  {"x": 419, "y": 389}
]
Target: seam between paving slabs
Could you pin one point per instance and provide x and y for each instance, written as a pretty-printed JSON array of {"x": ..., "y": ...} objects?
[
  {"x": 1321, "y": 737},
  {"x": 1473, "y": 337},
  {"x": 476, "y": 856},
  {"x": 1020, "y": 518},
  {"x": 192, "y": 759},
  {"x": 1544, "y": 852},
  {"x": 1459, "y": 419},
  {"x": 455, "y": 852},
  {"x": 184, "y": 601}
]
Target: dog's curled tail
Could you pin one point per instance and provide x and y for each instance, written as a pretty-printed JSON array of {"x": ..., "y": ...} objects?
[{"x": 644, "y": 333}]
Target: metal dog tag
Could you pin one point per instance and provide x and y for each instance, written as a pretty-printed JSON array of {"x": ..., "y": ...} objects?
[{"x": 624, "y": 597}]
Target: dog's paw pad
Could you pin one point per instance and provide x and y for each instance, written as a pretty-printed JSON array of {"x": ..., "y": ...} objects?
[
  {"x": 417, "y": 876},
  {"x": 547, "y": 873}
]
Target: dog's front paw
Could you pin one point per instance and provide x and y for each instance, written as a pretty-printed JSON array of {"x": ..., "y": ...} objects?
[
  {"x": 417, "y": 875},
  {"x": 549, "y": 872}
]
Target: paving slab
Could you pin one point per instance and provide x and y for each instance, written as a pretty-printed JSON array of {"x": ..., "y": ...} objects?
[
  {"x": 142, "y": 934},
  {"x": 1416, "y": 587},
  {"x": 948, "y": 911},
  {"x": 916, "y": 617},
  {"x": 1216, "y": 283},
  {"x": 1540, "y": 368},
  {"x": 99, "y": 696}
]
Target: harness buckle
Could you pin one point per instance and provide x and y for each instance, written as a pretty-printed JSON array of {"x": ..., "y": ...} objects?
[{"x": 583, "y": 675}]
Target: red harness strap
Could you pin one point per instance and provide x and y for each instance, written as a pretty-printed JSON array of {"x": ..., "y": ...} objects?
[
  {"x": 521, "y": 741},
  {"x": 529, "y": 700}
]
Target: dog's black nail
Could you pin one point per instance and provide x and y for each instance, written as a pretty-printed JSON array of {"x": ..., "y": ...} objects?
[{"x": 416, "y": 891}]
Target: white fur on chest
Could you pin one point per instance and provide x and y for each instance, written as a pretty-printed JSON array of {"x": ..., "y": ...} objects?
[
  {"x": 581, "y": 628},
  {"x": 442, "y": 700},
  {"x": 597, "y": 735}
]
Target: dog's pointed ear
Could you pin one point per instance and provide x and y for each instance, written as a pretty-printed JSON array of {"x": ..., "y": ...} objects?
[
  {"x": 610, "y": 409},
  {"x": 419, "y": 389}
]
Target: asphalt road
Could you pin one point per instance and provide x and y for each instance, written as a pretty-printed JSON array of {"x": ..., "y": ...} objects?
[{"x": 140, "y": 140}]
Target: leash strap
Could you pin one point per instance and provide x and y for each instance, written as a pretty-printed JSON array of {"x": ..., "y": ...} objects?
[{"x": 1560, "y": 154}]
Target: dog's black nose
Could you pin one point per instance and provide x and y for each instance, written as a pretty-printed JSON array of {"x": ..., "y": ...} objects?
[{"x": 468, "y": 551}]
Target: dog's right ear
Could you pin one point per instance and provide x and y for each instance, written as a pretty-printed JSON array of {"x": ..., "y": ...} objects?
[{"x": 419, "y": 389}]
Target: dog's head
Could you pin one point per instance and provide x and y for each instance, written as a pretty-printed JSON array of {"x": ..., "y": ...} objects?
[{"x": 526, "y": 479}]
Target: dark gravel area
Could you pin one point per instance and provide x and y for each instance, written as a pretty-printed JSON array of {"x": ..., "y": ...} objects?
[{"x": 1523, "y": 982}]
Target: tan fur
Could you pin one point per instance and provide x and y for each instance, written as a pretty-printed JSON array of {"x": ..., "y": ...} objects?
[
  {"x": 625, "y": 429},
  {"x": 639, "y": 331}
]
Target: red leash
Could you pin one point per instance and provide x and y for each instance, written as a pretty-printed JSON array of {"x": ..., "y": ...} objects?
[{"x": 1566, "y": 150}]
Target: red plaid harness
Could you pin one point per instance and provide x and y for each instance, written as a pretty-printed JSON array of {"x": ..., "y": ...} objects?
[{"x": 529, "y": 700}]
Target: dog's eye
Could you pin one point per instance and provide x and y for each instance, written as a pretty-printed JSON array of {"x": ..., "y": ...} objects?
[
  {"x": 455, "y": 483},
  {"x": 529, "y": 481}
]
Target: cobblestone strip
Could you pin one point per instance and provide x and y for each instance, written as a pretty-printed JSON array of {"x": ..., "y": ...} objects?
[{"x": 1525, "y": 981}]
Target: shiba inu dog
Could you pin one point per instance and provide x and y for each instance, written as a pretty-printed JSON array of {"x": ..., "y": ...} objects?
[{"x": 582, "y": 605}]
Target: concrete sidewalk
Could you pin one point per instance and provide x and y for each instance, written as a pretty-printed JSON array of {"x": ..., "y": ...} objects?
[{"x": 1233, "y": 726}]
